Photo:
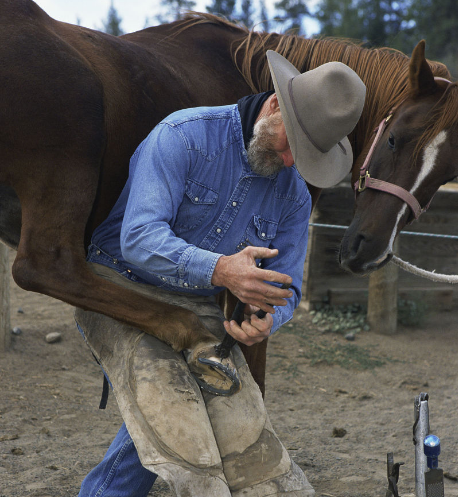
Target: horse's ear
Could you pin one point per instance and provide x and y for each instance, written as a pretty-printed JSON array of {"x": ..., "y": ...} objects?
[{"x": 420, "y": 75}]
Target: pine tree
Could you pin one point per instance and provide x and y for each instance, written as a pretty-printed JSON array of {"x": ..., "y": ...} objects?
[
  {"x": 339, "y": 18},
  {"x": 376, "y": 23},
  {"x": 264, "y": 16},
  {"x": 436, "y": 21},
  {"x": 112, "y": 25},
  {"x": 247, "y": 12},
  {"x": 292, "y": 13},
  {"x": 223, "y": 8},
  {"x": 173, "y": 10}
]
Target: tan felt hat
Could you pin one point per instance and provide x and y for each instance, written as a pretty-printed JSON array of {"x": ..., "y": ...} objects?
[{"x": 319, "y": 108}]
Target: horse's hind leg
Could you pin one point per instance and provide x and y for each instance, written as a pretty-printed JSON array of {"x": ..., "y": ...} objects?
[
  {"x": 51, "y": 260},
  {"x": 56, "y": 203}
]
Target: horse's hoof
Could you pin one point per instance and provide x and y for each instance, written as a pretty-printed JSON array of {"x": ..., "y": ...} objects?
[{"x": 213, "y": 374}]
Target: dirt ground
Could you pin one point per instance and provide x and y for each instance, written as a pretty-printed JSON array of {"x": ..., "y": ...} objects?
[{"x": 319, "y": 385}]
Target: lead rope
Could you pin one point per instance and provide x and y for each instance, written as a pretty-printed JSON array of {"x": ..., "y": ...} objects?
[{"x": 430, "y": 275}]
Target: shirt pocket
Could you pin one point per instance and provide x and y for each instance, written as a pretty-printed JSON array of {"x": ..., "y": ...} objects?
[
  {"x": 260, "y": 233},
  {"x": 196, "y": 206}
]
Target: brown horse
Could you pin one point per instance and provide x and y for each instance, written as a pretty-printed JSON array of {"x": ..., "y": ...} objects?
[
  {"x": 77, "y": 102},
  {"x": 415, "y": 153}
]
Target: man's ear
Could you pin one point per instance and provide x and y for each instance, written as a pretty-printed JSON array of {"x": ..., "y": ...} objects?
[{"x": 274, "y": 106}]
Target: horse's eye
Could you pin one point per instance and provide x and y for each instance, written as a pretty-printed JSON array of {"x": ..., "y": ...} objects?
[{"x": 391, "y": 141}]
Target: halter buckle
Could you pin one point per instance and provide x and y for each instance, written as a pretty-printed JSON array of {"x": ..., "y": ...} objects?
[{"x": 362, "y": 182}]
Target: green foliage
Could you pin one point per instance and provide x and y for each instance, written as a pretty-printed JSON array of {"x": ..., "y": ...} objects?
[
  {"x": 411, "y": 313},
  {"x": 340, "y": 18},
  {"x": 340, "y": 319},
  {"x": 436, "y": 21},
  {"x": 397, "y": 24},
  {"x": 348, "y": 356},
  {"x": 173, "y": 10},
  {"x": 112, "y": 25},
  {"x": 373, "y": 22},
  {"x": 291, "y": 14},
  {"x": 224, "y": 8},
  {"x": 247, "y": 13}
]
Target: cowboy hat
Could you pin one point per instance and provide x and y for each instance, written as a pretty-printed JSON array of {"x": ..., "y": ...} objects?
[{"x": 319, "y": 109}]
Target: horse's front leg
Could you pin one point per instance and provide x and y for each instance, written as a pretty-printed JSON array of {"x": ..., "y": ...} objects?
[{"x": 51, "y": 261}]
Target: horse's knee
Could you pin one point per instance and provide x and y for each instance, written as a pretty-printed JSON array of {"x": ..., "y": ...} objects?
[
  {"x": 55, "y": 267},
  {"x": 25, "y": 274}
]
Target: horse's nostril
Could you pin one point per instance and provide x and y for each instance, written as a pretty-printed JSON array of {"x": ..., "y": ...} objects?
[{"x": 356, "y": 245}]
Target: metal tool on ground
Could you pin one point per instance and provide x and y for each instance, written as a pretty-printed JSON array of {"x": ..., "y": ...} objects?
[
  {"x": 420, "y": 431},
  {"x": 393, "y": 475}
]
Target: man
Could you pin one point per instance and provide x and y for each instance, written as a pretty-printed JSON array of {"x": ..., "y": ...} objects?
[{"x": 216, "y": 199}]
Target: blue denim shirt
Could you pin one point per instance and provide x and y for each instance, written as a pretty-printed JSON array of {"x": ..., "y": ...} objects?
[{"x": 191, "y": 197}]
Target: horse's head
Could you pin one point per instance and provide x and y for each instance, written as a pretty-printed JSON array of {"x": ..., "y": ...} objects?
[{"x": 415, "y": 152}]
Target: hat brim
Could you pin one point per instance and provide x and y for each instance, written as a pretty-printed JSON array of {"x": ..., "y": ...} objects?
[{"x": 322, "y": 170}]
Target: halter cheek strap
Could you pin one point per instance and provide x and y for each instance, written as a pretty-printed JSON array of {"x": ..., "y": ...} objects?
[{"x": 366, "y": 181}]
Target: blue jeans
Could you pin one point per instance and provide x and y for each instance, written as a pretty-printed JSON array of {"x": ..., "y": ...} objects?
[{"x": 120, "y": 474}]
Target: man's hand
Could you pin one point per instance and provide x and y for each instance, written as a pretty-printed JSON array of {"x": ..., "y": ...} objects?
[
  {"x": 253, "y": 329},
  {"x": 240, "y": 274}
]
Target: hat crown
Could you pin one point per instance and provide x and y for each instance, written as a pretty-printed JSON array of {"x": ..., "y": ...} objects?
[{"x": 326, "y": 102}]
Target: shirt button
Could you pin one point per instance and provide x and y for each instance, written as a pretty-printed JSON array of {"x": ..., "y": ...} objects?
[
  {"x": 263, "y": 235},
  {"x": 218, "y": 230},
  {"x": 234, "y": 204},
  {"x": 196, "y": 199},
  {"x": 163, "y": 278},
  {"x": 185, "y": 284},
  {"x": 115, "y": 261},
  {"x": 98, "y": 252}
]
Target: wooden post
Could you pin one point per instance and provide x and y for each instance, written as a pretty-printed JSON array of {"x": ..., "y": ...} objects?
[
  {"x": 382, "y": 304},
  {"x": 308, "y": 270},
  {"x": 5, "y": 332}
]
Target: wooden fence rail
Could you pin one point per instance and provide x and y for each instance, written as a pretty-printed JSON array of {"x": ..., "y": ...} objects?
[{"x": 326, "y": 281}]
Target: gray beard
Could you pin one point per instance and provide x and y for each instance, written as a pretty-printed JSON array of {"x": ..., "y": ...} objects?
[{"x": 262, "y": 158}]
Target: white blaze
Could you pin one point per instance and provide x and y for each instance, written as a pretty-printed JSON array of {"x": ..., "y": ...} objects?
[{"x": 429, "y": 161}]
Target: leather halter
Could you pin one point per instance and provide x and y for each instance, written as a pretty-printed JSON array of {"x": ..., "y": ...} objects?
[{"x": 366, "y": 180}]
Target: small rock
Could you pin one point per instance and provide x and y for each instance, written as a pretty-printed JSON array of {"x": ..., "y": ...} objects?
[
  {"x": 350, "y": 337},
  {"x": 3, "y": 438},
  {"x": 54, "y": 337},
  {"x": 20, "y": 310},
  {"x": 339, "y": 432},
  {"x": 17, "y": 451},
  {"x": 16, "y": 330}
]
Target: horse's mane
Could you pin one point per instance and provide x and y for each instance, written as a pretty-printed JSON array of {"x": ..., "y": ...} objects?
[{"x": 384, "y": 71}]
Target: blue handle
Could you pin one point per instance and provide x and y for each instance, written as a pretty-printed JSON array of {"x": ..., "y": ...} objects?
[{"x": 432, "y": 449}]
